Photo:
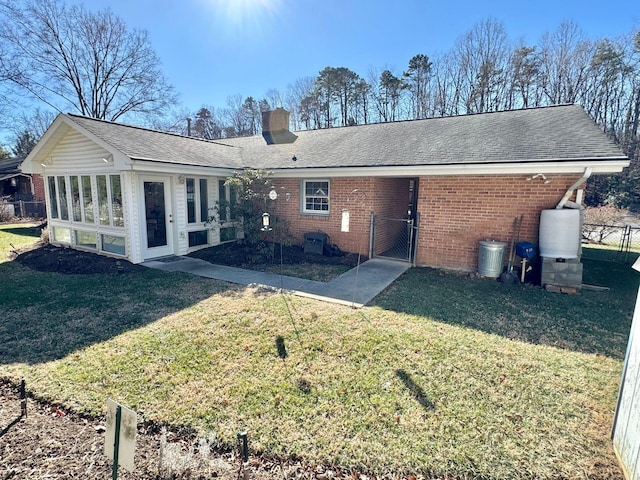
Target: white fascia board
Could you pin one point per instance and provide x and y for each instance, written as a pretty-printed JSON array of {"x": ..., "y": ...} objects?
[
  {"x": 597, "y": 166},
  {"x": 151, "y": 166}
]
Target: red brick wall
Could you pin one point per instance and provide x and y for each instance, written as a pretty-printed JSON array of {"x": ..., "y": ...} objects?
[
  {"x": 391, "y": 200},
  {"x": 38, "y": 188},
  {"x": 341, "y": 196},
  {"x": 455, "y": 212},
  {"x": 458, "y": 212}
]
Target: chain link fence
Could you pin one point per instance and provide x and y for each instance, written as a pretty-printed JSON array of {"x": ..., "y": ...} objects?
[{"x": 614, "y": 243}]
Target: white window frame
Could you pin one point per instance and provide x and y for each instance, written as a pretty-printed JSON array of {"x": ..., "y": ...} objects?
[
  {"x": 304, "y": 196},
  {"x": 197, "y": 200}
]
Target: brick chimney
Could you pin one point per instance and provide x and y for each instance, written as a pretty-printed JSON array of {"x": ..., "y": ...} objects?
[{"x": 275, "y": 127}]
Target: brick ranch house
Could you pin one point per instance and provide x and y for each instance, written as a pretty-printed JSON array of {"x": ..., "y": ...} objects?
[{"x": 433, "y": 188}]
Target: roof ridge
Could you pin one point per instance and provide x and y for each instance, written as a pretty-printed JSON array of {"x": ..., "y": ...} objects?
[
  {"x": 137, "y": 127},
  {"x": 460, "y": 115}
]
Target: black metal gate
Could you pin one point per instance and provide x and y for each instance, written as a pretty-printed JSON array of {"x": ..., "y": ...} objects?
[{"x": 393, "y": 238}]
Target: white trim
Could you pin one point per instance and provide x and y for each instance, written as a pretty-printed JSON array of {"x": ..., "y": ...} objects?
[
  {"x": 558, "y": 167},
  {"x": 169, "y": 217},
  {"x": 156, "y": 167}
]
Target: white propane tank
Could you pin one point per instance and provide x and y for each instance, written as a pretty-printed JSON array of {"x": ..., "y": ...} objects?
[{"x": 559, "y": 233}]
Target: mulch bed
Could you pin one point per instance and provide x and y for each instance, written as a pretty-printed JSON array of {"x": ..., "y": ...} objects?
[
  {"x": 234, "y": 255},
  {"x": 45, "y": 257}
]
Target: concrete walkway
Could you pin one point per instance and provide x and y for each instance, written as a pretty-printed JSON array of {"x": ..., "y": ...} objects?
[{"x": 356, "y": 288}]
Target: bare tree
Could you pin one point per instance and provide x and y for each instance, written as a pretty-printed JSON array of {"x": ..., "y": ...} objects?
[
  {"x": 70, "y": 58},
  {"x": 482, "y": 55},
  {"x": 564, "y": 60},
  {"x": 297, "y": 94},
  {"x": 274, "y": 98}
]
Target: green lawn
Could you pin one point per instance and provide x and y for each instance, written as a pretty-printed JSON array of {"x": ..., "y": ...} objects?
[
  {"x": 445, "y": 375},
  {"x": 18, "y": 235}
]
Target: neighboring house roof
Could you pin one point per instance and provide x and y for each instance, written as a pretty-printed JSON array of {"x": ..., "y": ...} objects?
[
  {"x": 10, "y": 168},
  {"x": 527, "y": 137},
  {"x": 10, "y": 165}
]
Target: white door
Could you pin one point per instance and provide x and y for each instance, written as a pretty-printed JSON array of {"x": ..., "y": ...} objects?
[{"x": 157, "y": 217}]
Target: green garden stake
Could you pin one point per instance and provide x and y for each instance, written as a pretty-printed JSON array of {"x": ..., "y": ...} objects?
[{"x": 116, "y": 443}]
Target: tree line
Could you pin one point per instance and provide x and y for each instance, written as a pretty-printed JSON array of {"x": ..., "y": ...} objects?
[{"x": 71, "y": 59}]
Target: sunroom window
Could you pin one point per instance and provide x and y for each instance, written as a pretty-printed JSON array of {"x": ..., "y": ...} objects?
[
  {"x": 227, "y": 197},
  {"x": 197, "y": 200}
]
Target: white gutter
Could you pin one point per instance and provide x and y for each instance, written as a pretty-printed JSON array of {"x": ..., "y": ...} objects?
[
  {"x": 529, "y": 168},
  {"x": 569, "y": 192}
]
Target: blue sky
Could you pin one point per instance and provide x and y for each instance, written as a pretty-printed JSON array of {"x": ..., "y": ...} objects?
[{"x": 211, "y": 49}]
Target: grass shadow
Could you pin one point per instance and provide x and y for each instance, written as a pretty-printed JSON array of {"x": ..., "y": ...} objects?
[
  {"x": 12, "y": 424},
  {"x": 47, "y": 315},
  {"x": 416, "y": 391},
  {"x": 592, "y": 322},
  {"x": 26, "y": 231}
]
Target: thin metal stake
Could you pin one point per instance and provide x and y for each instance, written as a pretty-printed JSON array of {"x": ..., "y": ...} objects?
[
  {"x": 244, "y": 447},
  {"x": 23, "y": 398},
  {"x": 116, "y": 443}
]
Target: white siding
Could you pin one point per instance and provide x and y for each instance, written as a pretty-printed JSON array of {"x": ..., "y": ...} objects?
[
  {"x": 626, "y": 428},
  {"x": 132, "y": 221},
  {"x": 77, "y": 154},
  {"x": 214, "y": 196},
  {"x": 180, "y": 217}
]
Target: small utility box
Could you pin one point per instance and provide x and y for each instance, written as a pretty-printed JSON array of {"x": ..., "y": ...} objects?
[{"x": 315, "y": 242}]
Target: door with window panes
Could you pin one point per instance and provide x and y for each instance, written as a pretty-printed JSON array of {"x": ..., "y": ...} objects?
[{"x": 157, "y": 217}]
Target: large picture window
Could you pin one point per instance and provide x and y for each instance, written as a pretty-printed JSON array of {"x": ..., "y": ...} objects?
[{"x": 315, "y": 197}]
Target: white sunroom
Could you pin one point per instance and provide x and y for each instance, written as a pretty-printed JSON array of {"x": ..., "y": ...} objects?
[{"x": 105, "y": 195}]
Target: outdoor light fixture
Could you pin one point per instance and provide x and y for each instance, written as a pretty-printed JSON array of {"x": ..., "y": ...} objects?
[
  {"x": 294, "y": 158},
  {"x": 181, "y": 179},
  {"x": 107, "y": 159},
  {"x": 265, "y": 222}
]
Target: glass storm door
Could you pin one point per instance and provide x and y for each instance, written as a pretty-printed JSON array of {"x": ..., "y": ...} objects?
[{"x": 158, "y": 218}]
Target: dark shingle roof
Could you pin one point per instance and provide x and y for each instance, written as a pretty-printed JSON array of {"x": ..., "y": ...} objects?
[
  {"x": 558, "y": 133},
  {"x": 10, "y": 165},
  {"x": 144, "y": 144},
  {"x": 541, "y": 134}
]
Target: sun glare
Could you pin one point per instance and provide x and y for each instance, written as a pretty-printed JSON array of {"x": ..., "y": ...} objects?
[{"x": 246, "y": 15}]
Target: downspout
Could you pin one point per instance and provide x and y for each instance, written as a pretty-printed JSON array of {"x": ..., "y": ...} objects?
[{"x": 567, "y": 195}]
